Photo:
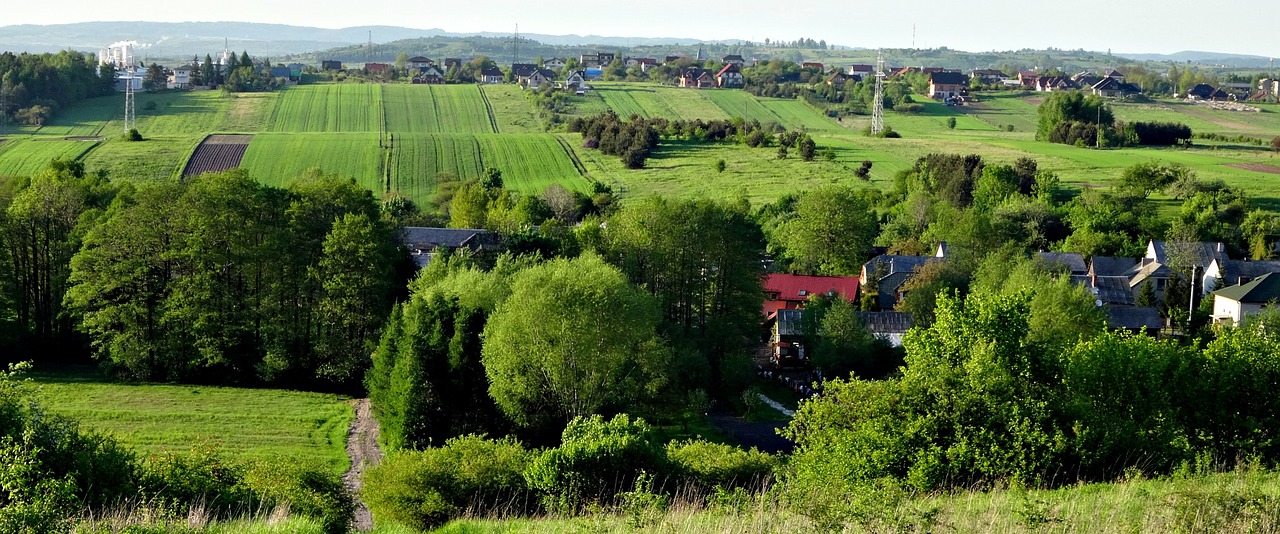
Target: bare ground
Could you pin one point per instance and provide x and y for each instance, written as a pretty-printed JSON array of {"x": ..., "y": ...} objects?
[
  {"x": 1257, "y": 167},
  {"x": 362, "y": 448}
]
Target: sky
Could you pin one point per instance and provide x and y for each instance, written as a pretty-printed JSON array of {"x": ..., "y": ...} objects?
[{"x": 1132, "y": 26}]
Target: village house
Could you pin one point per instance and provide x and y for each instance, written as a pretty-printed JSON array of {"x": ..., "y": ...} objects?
[
  {"x": 1228, "y": 272},
  {"x": 1154, "y": 267},
  {"x": 645, "y": 63},
  {"x": 576, "y": 82},
  {"x": 948, "y": 85},
  {"x": 330, "y": 64},
  {"x": 812, "y": 65},
  {"x": 1108, "y": 279},
  {"x": 837, "y": 79},
  {"x": 697, "y": 78},
  {"x": 1049, "y": 84},
  {"x": 430, "y": 75},
  {"x": 538, "y": 78},
  {"x": 885, "y": 275},
  {"x": 377, "y": 68},
  {"x": 1233, "y": 305},
  {"x": 554, "y": 63},
  {"x": 423, "y": 242},
  {"x": 596, "y": 60},
  {"x": 492, "y": 75},
  {"x": 793, "y": 291},
  {"x": 733, "y": 59},
  {"x": 988, "y": 76},
  {"x": 419, "y": 64},
  {"x": 521, "y": 71},
  {"x": 729, "y": 77},
  {"x": 864, "y": 71},
  {"x": 180, "y": 77},
  {"x": 1110, "y": 88}
]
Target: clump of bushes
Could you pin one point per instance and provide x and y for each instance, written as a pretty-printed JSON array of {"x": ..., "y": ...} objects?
[
  {"x": 425, "y": 489},
  {"x": 132, "y": 135},
  {"x": 596, "y": 460}
]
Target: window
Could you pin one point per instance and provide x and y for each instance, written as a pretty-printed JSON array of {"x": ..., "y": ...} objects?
[
  {"x": 804, "y": 293},
  {"x": 831, "y": 293}
]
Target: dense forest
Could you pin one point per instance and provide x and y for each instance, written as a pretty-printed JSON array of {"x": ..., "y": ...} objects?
[{"x": 36, "y": 86}]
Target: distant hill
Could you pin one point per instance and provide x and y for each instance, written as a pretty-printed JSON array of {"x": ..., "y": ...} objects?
[
  {"x": 1206, "y": 58},
  {"x": 163, "y": 40}
]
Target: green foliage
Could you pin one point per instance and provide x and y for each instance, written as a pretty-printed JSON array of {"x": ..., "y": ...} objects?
[
  {"x": 830, "y": 234},
  {"x": 700, "y": 259},
  {"x": 1062, "y": 107},
  {"x": 839, "y": 343},
  {"x": 132, "y": 135},
  {"x": 467, "y": 475},
  {"x": 709, "y": 465},
  {"x": 596, "y": 459},
  {"x": 574, "y": 339}
]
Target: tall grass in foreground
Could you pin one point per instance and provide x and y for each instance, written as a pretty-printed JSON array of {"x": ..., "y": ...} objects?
[
  {"x": 148, "y": 518},
  {"x": 1244, "y": 500}
]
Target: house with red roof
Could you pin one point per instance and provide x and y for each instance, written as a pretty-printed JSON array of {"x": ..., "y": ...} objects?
[{"x": 792, "y": 291}]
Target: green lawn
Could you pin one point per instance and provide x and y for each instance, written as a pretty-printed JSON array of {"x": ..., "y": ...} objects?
[{"x": 244, "y": 423}]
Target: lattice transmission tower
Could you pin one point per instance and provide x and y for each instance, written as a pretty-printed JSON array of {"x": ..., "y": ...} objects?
[
  {"x": 130, "y": 116},
  {"x": 877, "y": 107}
]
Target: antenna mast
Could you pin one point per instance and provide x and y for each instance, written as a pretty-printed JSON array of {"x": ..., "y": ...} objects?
[
  {"x": 877, "y": 107},
  {"x": 130, "y": 117},
  {"x": 515, "y": 46}
]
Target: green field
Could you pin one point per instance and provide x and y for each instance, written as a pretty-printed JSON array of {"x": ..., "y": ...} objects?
[
  {"x": 328, "y": 108},
  {"x": 244, "y": 423},
  {"x": 512, "y": 110},
  {"x": 529, "y": 162},
  {"x": 278, "y": 158},
  {"x": 26, "y": 156},
  {"x": 651, "y": 101},
  {"x": 436, "y": 109}
]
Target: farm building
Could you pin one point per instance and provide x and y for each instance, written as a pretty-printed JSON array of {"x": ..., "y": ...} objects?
[
  {"x": 330, "y": 64},
  {"x": 423, "y": 242}
]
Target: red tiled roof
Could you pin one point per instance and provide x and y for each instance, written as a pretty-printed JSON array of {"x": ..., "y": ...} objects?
[{"x": 788, "y": 287}]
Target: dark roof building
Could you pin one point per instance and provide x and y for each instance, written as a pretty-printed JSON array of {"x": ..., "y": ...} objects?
[{"x": 423, "y": 241}]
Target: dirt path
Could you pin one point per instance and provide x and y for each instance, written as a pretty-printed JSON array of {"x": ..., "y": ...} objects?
[{"x": 362, "y": 448}]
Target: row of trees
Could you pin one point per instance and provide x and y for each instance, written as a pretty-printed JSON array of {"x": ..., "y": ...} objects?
[
  {"x": 34, "y": 87},
  {"x": 215, "y": 279},
  {"x": 1072, "y": 118}
]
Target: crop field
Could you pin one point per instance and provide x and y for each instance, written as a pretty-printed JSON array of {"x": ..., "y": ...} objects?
[
  {"x": 742, "y": 104},
  {"x": 24, "y": 157},
  {"x": 655, "y": 101},
  {"x": 328, "y": 108},
  {"x": 529, "y": 162},
  {"x": 436, "y": 109},
  {"x": 512, "y": 110},
  {"x": 799, "y": 116},
  {"x": 217, "y": 153},
  {"x": 242, "y": 423},
  {"x": 277, "y": 159}
]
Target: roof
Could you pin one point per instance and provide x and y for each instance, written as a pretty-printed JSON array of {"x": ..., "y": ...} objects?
[
  {"x": 861, "y": 68},
  {"x": 1113, "y": 72},
  {"x": 1111, "y": 265},
  {"x": 1263, "y": 289},
  {"x": 797, "y": 287},
  {"x": 730, "y": 68},
  {"x": 1133, "y": 317},
  {"x": 1201, "y": 89},
  {"x": 1073, "y": 261},
  {"x": 425, "y": 239},
  {"x": 1107, "y": 84},
  {"x": 1113, "y": 290},
  {"x": 523, "y": 69},
  {"x": 732, "y": 57},
  {"x": 281, "y": 71},
  {"x": 419, "y": 59},
  {"x": 1205, "y": 252},
  {"x": 890, "y": 264},
  {"x": 1231, "y": 271},
  {"x": 887, "y": 322},
  {"x": 948, "y": 78},
  {"x": 491, "y": 71}
]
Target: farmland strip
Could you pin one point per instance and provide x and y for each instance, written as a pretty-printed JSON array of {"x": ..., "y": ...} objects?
[{"x": 493, "y": 120}]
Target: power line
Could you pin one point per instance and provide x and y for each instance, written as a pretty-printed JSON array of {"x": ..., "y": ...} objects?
[{"x": 877, "y": 107}]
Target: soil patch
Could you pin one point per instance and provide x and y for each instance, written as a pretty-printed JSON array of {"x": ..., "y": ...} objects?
[
  {"x": 1256, "y": 167},
  {"x": 362, "y": 447}
]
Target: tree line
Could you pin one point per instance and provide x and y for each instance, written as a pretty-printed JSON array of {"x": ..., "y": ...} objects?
[{"x": 35, "y": 87}]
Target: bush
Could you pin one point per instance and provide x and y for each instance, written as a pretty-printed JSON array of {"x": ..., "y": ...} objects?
[
  {"x": 424, "y": 489},
  {"x": 305, "y": 490},
  {"x": 201, "y": 475},
  {"x": 951, "y": 123},
  {"x": 1275, "y": 144},
  {"x": 595, "y": 461},
  {"x": 909, "y": 108},
  {"x": 132, "y": 135},
  {"x": 708, "y": 465}
]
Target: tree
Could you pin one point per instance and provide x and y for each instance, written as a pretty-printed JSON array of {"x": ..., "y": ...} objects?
[
  {"x": 402, "y": 61},
  {"x": 155, "y": 79},
  {"x": 807, "y": 148},
  {"x": 574, "y": 339},
  {"x": 931, "y": 282},
  {"x": 209, "y": 71},
  {"x": 951, "y": 123},
  {"x": 354, "y": 273},
  {"x": 839, "y": 343},
  {"x": 1064, "y": 107},
  {"x": 831, "y": 233}
]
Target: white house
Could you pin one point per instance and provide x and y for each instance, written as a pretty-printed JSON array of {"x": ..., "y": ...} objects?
[
  {"x": 1234, "y": 304},
  {"x": 181, "y": 77}
]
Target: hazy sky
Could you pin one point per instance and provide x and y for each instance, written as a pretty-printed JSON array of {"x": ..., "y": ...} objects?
[{"x": 1119, "y": 25}]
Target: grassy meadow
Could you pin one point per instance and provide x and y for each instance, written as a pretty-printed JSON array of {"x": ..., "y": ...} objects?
[
  {"x": 462, "y": 129},
  {"x": 243, "y": 423}
]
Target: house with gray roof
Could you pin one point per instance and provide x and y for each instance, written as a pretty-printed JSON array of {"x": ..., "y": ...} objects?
[
  {"x": 1135, "y": 319},
  {"x": 1231, "y": 306},
  {"x": 885, "y": 274},
  {"x": 423, "y": 242},
  {"x": 1073, "y": 262},
  {"x": 1224, "y": 273}
]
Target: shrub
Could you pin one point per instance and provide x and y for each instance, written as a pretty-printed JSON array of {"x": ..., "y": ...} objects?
[
  {"x": 1275, "y": 144},
  {"x": 132, "y": 135},
  {"x": 909, "y": 108},
  {"x": 424, "y": 489},
  {"x": 200, "y": 475},
  {"x": 596, "y": 460},
  {"x": 708, "y": 465},
  {"x": 305, "y": 490},
  {"x": 951, "y": 123},
  {"x": 720, "y": 165}
]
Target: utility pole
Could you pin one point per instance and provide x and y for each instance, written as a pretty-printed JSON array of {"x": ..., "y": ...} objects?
[
  {"x": 877, "y": 107},
  {"x": 1191, "y": 304}
]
